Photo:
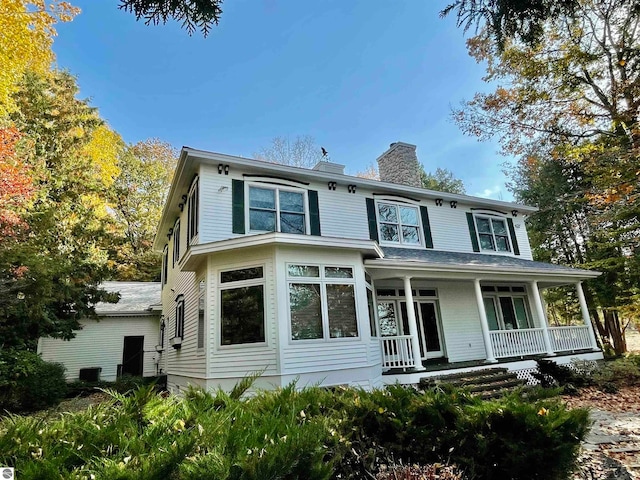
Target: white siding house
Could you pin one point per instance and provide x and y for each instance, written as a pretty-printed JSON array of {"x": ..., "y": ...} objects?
[
  {"x": 318, "y": 277},
  {"x": 122, "y": 340}
]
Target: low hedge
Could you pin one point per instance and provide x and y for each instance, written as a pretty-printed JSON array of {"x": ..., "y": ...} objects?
[{"x": 288, "y": 434}]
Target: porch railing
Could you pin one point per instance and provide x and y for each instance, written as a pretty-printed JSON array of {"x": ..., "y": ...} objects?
[
  {"x": 397, "y": 352},
  {"x": 565, "y": 339},
  {"x": 516, "y": 343}
]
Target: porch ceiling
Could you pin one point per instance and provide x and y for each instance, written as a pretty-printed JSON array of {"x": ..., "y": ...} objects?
[{"x": 399, "y": 262}]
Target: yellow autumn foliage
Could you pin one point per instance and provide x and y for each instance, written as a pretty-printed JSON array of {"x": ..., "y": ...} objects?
[
  {"x": 27, "y": 28},
  {"x": 104, "y": 150}
]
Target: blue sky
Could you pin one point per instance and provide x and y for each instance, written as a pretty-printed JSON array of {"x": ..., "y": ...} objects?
[{"x": 356, "y": 75}]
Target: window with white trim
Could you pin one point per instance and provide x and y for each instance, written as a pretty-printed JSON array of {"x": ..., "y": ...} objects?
[
  {"x": 322, "y": 302},
  {"x": 277, "y": 209},
  {"x": 176, "y": 242},
  {"x": 398, "y": 223},
  {"x": 193, "y": 210},
  {"x": 242, "y": 306},
  {"x": 179, "y": 332},
  {"x": 507, "y": 307},
  {"x": 201, "y": 324},
  {"x": 493, "y": 233},
  {"x": 165, "y": 264}
]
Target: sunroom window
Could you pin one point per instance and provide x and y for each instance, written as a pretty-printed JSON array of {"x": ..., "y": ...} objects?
[
  {"x": 277, "y": 210},
  {"x": 493, "y": 234},
  {"x": 242, "y": 306},
  {"x": 399, "y": 223},
  {"x": 322, "y": 302}
]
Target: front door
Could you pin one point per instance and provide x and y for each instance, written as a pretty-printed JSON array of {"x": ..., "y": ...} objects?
[
  {"x": 133, "y": 356},
  {"x": 428, "y": 328}
]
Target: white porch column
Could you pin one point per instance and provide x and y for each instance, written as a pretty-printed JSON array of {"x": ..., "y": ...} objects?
[
  {"x": 484, "y": 323},
  {"x": 413, "y": 324},
  {"x": 585, "y": 315},
  {"x": 537, "y": 301}
]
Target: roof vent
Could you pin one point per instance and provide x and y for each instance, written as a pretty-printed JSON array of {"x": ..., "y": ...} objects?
[{"x": 329, "y": 167}]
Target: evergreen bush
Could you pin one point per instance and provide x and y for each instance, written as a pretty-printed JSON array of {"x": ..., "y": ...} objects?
[
  {"x": 313, "y": 434},
  {"x": 29, "y": 383}
]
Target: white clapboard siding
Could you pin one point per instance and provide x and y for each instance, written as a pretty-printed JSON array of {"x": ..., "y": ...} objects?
[
  {"x": 185, "y": 360},
  {"x": 449, "y": 228},
  {"x": 240, "y": 360},
  {"x": 342, "y": 214},
  {"x": 460, "y": 322},
  {"x": 100, "y": 344},
  {"x": 216, "y": 204}
]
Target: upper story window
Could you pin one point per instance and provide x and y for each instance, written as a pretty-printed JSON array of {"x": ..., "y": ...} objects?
[
  {"x": 176, "y": 242},
  {"x": 165, "y": 264},
  {"x": 193, "y": 209},
  {"x": 398, "y": 223},
  {"x": 276, "y": 209},
  {"x": 493, "y": 233}
]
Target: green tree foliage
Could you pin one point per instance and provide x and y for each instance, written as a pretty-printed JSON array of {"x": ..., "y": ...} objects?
[
  {"x": 568, "y": 105},
  {"x": 193, "y": 14},
  {"x": 506, "y": 19},
  {"x": 52, "y": 270},
  {"x": 442, "y": 180},
  {"x": 138, "y": 196}
]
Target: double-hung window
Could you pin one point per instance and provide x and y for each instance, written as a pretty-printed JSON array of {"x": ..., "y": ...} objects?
[
  {"x": 277, "y": 209},
  {"x": 201, "y": 310},
  {"x": 242, "y": 306},
  {"x": 398, "y": 223},
  {"x": 165, "y": 264},
  {"x": 322, "y": 302},
  {"x": 493, "y": 234}
]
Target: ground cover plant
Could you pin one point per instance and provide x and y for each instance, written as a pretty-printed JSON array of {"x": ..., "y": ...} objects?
[{"x": 313, "y": 433}]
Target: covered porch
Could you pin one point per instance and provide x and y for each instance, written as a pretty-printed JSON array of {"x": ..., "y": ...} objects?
[{"x": 444, "y": 301}]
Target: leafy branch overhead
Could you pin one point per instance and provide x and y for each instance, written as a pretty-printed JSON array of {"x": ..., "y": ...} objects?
[
  {"x": 193, "y": 14},
  {"x": 520, "y": 19}
]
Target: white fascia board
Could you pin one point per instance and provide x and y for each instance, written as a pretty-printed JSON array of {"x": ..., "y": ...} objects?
[
  {"x": 197, "y": 252},
  {"x": 477, "y": 270},
  {"x": 137, "y": 313}
]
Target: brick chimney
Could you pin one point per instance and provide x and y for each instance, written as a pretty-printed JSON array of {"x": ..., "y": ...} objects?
[{"x": 399, "y": 164}]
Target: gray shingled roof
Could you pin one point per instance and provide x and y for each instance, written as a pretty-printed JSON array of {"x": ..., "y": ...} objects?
[
  {"x": 438, "y": 257},
  {"x": 134, "y": 297}
]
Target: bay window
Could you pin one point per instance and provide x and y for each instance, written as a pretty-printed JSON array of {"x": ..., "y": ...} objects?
[
  {"x": 322, "y": 302},
  {"x": 242, "y": 306}
]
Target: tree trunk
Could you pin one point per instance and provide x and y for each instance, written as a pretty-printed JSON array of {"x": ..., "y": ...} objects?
[{"x": 616, "y": 333}]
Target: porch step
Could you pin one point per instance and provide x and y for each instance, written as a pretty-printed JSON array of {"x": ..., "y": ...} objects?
[{"x": 487, "y": 383}]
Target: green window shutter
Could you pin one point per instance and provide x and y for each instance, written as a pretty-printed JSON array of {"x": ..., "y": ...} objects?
[
  {"x": 472, "y": 232},
  {"x": 237, "y": 198},
  {"x": 371, "y": 215},
  {"x": 428, "y": 241},
  {"x": 514, "y": 240},
  {"x": 314, "y": 212}
]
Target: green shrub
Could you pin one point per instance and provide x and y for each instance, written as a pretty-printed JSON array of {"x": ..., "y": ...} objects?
[
  {"x": 313, "y": 434},
  {"x": 29, "y": 383},
  {"x": 619, "y": 372}
]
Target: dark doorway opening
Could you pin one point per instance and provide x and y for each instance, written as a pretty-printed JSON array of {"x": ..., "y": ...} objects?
[{"x": 133, "y": 356}]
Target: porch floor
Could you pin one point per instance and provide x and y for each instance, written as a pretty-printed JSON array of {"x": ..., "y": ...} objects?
[{"x": 443, "y": 364}]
